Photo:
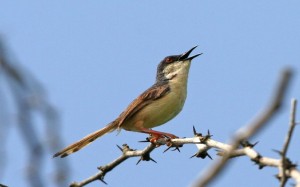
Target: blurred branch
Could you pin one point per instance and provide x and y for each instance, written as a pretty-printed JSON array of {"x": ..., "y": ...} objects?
[
  {"x": 2, "y": 185},
  {"x": 4, "y": 127},
  {"x": 30, "y": 98},
  {"x": 251, "y": 129}
]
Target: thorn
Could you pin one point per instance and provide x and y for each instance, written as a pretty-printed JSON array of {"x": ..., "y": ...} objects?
[
  {"x": 205, "y": 138},
  {"x": 208, "y": 133},
  {"x": 256, "y": 160},
  {"x": 193, "y": 155},
  {"x": 101, "y": 177},
  {"x": 170, "y": 145},
  {"x": 246, "y": 143},
  {"x": 139, "y": 161},
  {"x": 255, "y": 144},
  {"x": 153, "y": 160},
  {"x": 201, "y": 154},
  {"x": 277, "y": 177},
  {"x": 120, "y": 148},
  {"x": 260, "y": 166},
  {"x": 276, "y": 151},
  {"x": 176, "y": 148},
  {"x": 126, "y": 148},
  {"x": 102, "y": 180},
  {"x": 195, "y": 132},
  {"x": 167, "y": 149},
  {"x": 145, "y": 157},
  {"x": 208, "y": 155}
]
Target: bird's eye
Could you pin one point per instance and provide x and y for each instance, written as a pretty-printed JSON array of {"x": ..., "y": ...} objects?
[{"x": 168, "y": 59}]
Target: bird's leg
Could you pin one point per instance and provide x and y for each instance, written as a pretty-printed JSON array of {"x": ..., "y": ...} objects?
[{"x": 155, "y": 135}]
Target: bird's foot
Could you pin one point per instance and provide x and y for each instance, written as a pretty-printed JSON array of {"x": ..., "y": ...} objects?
[{"x": 154, "y": 136}]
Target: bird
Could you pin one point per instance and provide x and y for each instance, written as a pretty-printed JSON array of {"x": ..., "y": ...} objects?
[{"x": 157, "y": 105}]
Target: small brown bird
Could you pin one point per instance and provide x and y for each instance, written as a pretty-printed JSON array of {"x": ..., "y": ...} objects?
[{"x": 156, "y": 106}]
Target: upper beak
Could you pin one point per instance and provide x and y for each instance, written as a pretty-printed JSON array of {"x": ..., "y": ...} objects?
[{"x": 185, "y": 56}]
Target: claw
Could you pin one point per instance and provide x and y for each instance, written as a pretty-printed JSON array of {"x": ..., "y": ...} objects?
[{"x": 156, "y": 135}]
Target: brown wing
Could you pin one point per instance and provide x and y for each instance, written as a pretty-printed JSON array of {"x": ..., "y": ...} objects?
[{"x": 153, "y": 93}]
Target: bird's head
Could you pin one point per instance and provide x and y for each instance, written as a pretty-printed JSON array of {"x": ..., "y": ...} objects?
[{"x": 174, "y": 65}]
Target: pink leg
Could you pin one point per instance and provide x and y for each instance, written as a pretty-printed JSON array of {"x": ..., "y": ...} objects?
[{"x": 157, "y": 134}]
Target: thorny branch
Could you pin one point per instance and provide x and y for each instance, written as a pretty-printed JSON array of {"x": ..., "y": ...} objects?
[
  {"x": 143, "y": 154},
  {"x": 127, "y": 153},
  {"x": 204, "y": 143}
]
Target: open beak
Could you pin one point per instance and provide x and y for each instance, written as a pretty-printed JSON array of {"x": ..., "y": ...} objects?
[{"x": 185, "y": 56}]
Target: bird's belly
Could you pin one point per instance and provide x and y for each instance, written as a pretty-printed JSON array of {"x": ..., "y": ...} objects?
[{"x": 158, "y": 112}]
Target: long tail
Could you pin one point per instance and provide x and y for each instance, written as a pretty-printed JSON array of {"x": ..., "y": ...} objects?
[{"x": 86, "y": 140}]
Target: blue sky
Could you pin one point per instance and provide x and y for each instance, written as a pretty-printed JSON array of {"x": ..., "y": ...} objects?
[{"x": 95, "y": 57}]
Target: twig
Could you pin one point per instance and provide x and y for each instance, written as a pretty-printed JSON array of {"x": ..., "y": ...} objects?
[
  {"x": 250, "y": 129},
  {"x": 284, "y": 162}
]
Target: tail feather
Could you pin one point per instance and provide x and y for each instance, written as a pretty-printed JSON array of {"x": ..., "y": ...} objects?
[{"x": 86, "y": 140}]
